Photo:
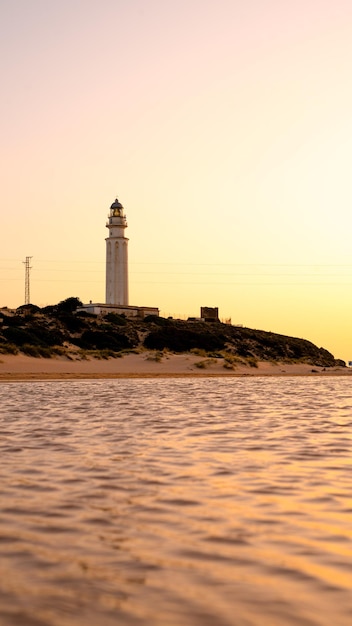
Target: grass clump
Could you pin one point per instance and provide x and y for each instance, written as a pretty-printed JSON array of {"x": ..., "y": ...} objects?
[
  {"x": 58, "y": 351},
  {"x": 231, "y": 360},
  {"x": 8, "y": 348},
  {"x": 36, "y": 351},
  {"x": 103, "y": 354},
  {"x": 205, "y": 363},
  {"x": 155, "y": 356},
  {"x": 130, "y": 351},
  {"x": 198, "y": 351}
]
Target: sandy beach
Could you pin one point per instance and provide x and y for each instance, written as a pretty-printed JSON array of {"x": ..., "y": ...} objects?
[{"x": 22, "y": 367}]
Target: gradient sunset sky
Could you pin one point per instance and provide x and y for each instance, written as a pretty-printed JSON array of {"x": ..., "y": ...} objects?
[{"x": 225, "y": 129}]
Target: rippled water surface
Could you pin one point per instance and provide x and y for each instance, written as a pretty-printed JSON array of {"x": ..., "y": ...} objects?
[{"x": 212, "y": 502}]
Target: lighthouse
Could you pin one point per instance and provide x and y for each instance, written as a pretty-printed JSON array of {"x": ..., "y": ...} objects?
[
  {"x": 116, "y": 257},
  {"x": 116, "y": 298}
]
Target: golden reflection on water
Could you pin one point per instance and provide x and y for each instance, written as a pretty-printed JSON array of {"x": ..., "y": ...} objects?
[{"x": 168, "y": 502}]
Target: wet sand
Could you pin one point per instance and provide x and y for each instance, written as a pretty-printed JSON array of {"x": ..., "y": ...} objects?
[{"x": 22, "y": 367}]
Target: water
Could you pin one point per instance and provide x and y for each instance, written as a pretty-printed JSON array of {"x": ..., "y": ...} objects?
[{"x": 212, "y": 502}]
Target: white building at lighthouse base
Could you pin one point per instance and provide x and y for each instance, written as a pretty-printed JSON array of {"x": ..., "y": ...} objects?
[{"x": 136, "y": 312}]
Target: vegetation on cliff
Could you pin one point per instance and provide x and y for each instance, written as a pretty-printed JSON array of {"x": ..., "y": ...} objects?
[{"x": 64, "y": 331}]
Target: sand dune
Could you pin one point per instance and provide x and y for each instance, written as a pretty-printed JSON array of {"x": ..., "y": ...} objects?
[{"x": 21, "y": 367}]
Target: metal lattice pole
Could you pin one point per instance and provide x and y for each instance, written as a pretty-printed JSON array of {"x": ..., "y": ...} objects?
[{"x": 27, "y": 282}]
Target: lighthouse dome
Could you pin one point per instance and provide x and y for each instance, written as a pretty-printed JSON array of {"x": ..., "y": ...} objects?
[
  {"x": 116, "y": 209},
  {"x": 116, "y": 205}
]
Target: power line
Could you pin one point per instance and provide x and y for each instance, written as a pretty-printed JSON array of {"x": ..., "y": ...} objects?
[{"x": 189, "y": 263}]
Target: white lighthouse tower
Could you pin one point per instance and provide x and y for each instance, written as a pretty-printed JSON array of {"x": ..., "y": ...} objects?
[
  {"x": 116, "y": 257},
  {"x": 116, "y": 298}
]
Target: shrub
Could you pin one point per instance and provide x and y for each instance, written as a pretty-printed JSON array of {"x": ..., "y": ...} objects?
[
  {"x": 69, "y": 305},
  {"x": 178, "y": 340},
  {"x": 28, "y": 308},
  {"x": 20, "y": 337},
  {"x": 115, "y": 318},
  {"x": 14, "y": 320},
  {"x": 73, "y": 323},
  {"x": 46, "y": 336},
  {"x": 100, "y": 340},
  {"x": 156, "y": 319},
  {"x": 86, "y": 314},
  {"x": 243, "y": 351},
  {"x": 34, "y": 335},
  {"x": 50, "y": 309}
]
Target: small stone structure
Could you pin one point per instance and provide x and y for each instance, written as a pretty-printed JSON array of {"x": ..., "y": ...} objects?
[{"x": 209, "y": 314}]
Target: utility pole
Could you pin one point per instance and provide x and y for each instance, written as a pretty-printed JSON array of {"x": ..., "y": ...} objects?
[{"x": 27, "y": 284}]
